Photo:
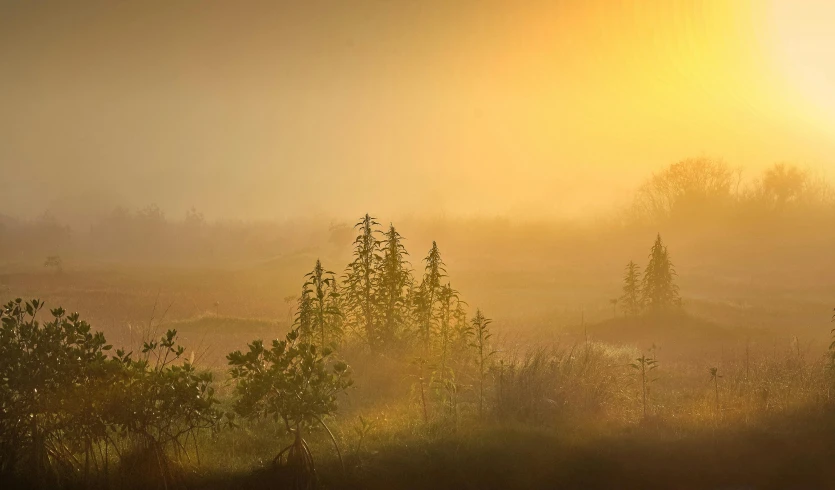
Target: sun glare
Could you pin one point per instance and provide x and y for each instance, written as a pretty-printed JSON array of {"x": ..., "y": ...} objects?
[{"x": 803, "y": 34}]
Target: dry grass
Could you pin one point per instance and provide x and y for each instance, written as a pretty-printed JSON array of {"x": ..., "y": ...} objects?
[
  {"x": 563, "y": 405},
  {"x": 570, "y": 416}
]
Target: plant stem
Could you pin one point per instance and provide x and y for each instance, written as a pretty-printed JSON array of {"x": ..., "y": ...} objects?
[
  {"x": 644, "y": 386},
  {"x": 335, "y": 445}
]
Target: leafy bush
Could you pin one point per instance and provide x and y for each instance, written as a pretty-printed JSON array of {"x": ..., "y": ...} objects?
[
  {"x": 294, "y": 382},
  {"x": 62, "y": 398},
  {"x": 162, "y": 401},
  {"x": 53, "y": 374}
]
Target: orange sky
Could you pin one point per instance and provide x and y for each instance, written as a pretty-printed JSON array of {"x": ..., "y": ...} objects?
[{"x": 270, "y": 109}]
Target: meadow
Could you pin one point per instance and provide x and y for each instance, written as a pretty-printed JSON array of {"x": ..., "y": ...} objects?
[{"x": 721, "y": 380}]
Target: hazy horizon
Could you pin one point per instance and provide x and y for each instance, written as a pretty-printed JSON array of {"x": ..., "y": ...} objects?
[
  {"x": 424, "y": 108},
  {"x": 409, "y": 244}
]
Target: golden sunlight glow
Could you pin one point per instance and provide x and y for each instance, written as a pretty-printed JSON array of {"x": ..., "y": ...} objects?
[
  {"x": 486, "y": 107},
  {"x": 804, "y": 42}
]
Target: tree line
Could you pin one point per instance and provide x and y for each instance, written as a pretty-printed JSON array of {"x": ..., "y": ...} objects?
[
  {"x": 689, "y": 192},
  {"x": 696, "y": 189}
]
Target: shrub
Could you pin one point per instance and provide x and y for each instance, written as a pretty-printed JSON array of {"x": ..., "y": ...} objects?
[
  {"x": 548, "y": 383},
  {"x": 294, "y": 382},
  {"x": 62, "y": 398},
  {"x": 161, "y": 401},
  {"x": 53, "y": 377}
]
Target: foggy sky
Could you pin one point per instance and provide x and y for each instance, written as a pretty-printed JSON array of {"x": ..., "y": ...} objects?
[{"x": 271, "y": 109}]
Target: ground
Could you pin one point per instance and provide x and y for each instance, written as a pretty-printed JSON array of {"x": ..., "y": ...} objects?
[{"x": 772, "y": 430}]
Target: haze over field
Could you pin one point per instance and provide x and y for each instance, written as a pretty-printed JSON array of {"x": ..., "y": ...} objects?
[
  {"x": 459, "y": 108},
  {"x": 410, "y": 244}
]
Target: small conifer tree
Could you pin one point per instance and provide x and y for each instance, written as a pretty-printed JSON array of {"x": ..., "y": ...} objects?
[
  {"x": 631, "y": 299},
  {"x": 659, "y": 291}
]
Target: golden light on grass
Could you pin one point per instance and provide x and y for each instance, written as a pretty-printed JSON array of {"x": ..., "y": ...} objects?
[{"x": 531, "y": 153}]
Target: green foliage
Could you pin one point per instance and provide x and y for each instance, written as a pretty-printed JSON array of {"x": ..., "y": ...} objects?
[
  {"x": 428, "y": 295},
  {"x": 149, "y": 405},
  {"x": 421, "y": 366},
  {"x": 320, "y": 316},
  {"x": 462, "y": 331},
  {"x": 379, "y": 303},
  {"x": 364, "y": 427},
  {"x": 395, "y": 285},
  {"x": 62, "y": 397},
  {"x": 658, "y": 289},
  {"x": 481, "y": 343},
  {"x": 163, "y": 398},
  {"x": 362, "y": 282},
  {"x": 50, "y": 375},
  {"x": 295, "y": 382},
  {"x": 631, "y": 299},
  {"x": 303, "y": 321},
  {"x": 451, "y": 333},
  {"x": 451, "y": 330}
]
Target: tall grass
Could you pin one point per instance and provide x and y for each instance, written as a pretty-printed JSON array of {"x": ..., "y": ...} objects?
[
  {"x": 553, "y": 410},
  {"x": 551, "y": 383},
  {"x": 543, "y": 400}
]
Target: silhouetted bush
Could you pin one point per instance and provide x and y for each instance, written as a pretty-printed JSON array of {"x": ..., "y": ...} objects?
[{"x": 64, "y": 404}]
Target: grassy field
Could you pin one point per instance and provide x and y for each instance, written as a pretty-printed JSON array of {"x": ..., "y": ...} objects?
[
  {"x": 563, "y": 418},
  {"x": 563, "y": 405}
]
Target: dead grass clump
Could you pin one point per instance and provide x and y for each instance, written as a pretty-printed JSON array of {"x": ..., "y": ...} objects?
[{"x": 549, "y": 383}]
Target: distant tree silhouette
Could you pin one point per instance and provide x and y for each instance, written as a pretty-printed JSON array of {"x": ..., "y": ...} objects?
[
  {"x": 194, "y": 218},
  {"x": 686, "y": 189},
  {"x": 784, "y": 186},
  {"x": 658, "y": 289},
  {"x": 631, "y": 300}
]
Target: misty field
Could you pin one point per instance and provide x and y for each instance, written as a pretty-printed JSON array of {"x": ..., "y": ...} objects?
[
  {"x": 417, "y": 244},
  {"x": 474, "y": 354}
]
